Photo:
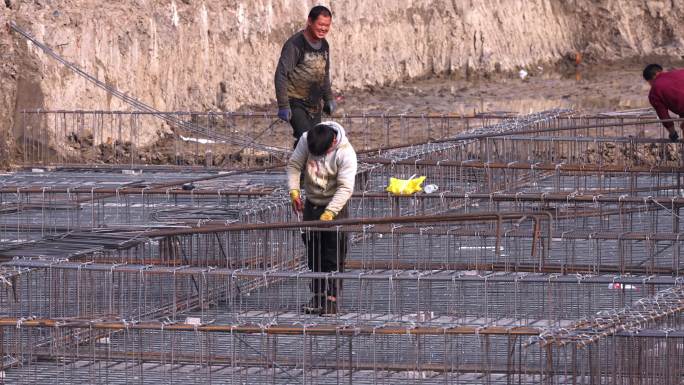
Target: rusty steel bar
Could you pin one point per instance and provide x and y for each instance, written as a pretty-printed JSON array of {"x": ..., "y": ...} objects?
[
  {"x": 548, "y": 268},
  {"x": 266, "y": 191},
  {"x": 369, "y": 275},
  {"x": 568, "y": 167},
  {"x": 267, "y": 329},
  {"x": 272, "y": 115},
  {"x": 480, "y": 217},
  {"x": 536, "y": 131}
]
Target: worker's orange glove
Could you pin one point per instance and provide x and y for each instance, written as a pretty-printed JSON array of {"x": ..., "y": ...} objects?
[
  {"x": 296, "y": 199},
  {"x": 327, "y": 215}
]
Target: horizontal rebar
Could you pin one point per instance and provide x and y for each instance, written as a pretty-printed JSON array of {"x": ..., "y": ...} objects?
[
  {"x": 364, "y": 275},
  {"x": 538, "y": 166},
  {"x": 342, "y": 329}
]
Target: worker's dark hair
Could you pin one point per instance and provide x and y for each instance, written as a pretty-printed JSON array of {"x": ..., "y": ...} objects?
[
  {"x": 651, "y": 70},
  {"x": 317, "y": 11},
  {"x": 319, "y": 139}
]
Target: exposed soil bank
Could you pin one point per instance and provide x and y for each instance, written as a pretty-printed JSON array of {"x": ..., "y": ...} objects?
[{"x": 220, "y": 55}]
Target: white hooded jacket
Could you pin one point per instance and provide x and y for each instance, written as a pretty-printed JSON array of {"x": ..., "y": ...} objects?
[{"x": 328, "y": 179}]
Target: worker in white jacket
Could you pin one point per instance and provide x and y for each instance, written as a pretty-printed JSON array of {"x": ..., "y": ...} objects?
[{"x": 327, "y": 161}]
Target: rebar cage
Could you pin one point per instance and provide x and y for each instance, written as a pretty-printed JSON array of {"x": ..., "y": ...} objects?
[{"x": 549, "y": 254}]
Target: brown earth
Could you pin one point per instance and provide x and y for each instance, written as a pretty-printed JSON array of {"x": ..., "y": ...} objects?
[
  {"x": 218, "y": 55},
  {"x": 586, "y": 88}
]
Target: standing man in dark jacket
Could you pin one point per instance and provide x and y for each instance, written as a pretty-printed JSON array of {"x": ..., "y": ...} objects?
[
  {"x": 302, "y": 78},
  {"x": 667, "y": 93}
]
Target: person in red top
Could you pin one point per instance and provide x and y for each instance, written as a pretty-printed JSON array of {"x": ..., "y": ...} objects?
[{"x": 667, "y": 93}]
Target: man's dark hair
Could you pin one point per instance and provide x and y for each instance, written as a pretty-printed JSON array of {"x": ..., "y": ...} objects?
[
  {"x": 317, "y": 11},
  {"x": 319, "y": 139},
  {"x": 651, "y": 70}
]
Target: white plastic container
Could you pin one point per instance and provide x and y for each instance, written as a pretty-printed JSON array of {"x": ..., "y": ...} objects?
[{"x": 429, "y": 189}]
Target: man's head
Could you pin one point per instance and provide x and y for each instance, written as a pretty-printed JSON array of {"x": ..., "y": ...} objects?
[
  {"x": 319, "y": 21},
  {"x": 651, "y": 72},
  {"x": 320, "y": 139}
]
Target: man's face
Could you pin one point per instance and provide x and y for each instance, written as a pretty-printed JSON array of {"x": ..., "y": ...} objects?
[
  {"x": 332, "y": 145},
  {"x": 319, "y": 28}
]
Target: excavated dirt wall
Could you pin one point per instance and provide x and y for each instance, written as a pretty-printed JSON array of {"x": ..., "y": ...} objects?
[{"x": 220, "y": 55}]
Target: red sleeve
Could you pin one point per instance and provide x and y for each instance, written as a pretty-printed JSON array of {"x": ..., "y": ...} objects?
[{"x": 660, "y": 109}]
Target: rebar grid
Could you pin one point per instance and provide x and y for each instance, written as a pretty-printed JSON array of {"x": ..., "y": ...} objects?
[
  {"x": 117, "y": 137},
  {"x": 540, "y": 225},
  {"x": 142, "y": 353},
  {"x": 643, "y": 313},
  {"x": 370, "y": 298}
]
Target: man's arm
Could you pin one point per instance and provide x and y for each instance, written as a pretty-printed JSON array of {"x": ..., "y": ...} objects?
[
  {"x": 327, "y": 85},
  {"x": 346, "y": 175},
  {"x": 289, "y": 56},
  {"x": 296, "y": 164},
  {"x": 661, "y": 110}
]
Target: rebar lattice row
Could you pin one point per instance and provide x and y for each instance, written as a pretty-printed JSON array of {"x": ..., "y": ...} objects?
[
  {"x": 118, "y": 137},
  {"x": 135, "y": 292},
  {"x": 545, "y": 228},
  {"x": 122, "y": 352},
  {"x": 643, "y": 313}
]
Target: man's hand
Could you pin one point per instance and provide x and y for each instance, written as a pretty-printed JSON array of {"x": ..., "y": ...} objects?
[
  {"x": 674, "y": 137},
  {"x": 329, "y": 107},
  {"x": 327, "y": 215},
  {"x": 296, "y": 199},
  {"x": 285, "y": 114}
]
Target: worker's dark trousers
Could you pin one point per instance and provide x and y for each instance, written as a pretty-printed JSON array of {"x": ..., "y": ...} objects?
[
  {"x": 302, "y": 119},
  {"x": 326, "y": 251}
]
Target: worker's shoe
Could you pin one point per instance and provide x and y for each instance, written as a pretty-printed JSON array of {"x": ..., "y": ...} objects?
[
  {"x": 674, "y": 137},
  {"x": 314, "y": 306},
  {"x": 329, "y": 308}
]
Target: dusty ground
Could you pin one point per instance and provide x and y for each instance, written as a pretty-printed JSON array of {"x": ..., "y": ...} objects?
[{"x": 587, "y": 88}]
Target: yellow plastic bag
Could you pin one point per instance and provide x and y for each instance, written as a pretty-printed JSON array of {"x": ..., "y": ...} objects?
[{"x": 405, "y": 186}]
